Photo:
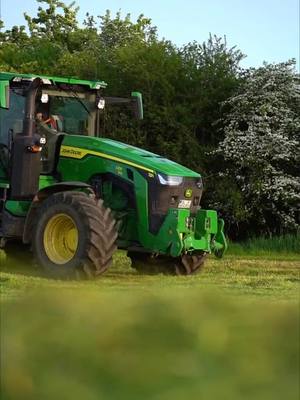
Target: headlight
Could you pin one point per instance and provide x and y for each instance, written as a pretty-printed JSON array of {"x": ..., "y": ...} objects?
[{"x": 169, "y": 180}]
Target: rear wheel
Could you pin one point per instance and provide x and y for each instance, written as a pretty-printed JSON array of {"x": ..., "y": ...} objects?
[
  {"x": 145, "y": 263},
  {"x": 74, "y": 236}
]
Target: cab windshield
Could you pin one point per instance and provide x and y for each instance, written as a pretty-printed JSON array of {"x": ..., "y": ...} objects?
[{"x": 69, "y": 112}]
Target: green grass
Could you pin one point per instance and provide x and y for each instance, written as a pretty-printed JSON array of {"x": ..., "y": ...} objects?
[
  {"x": 286, "y": 246},
  {"x": 272, "y": 278},
  {"x": 231, "y": 332}
]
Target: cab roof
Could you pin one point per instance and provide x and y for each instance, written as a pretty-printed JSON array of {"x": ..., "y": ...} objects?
[{"x": 47, "y": 79}]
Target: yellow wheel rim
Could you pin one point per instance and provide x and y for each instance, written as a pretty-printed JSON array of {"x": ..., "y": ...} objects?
[{"x": 60, "y": 239}]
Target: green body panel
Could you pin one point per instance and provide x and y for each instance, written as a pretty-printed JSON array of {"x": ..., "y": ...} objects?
[
  {"x": 20, "y": 208},
  {"x": 147, "y": 161},
  {"x": 4, "y": 93},
  {"x": 46, "y": 180},
  {"x": 17, "y": 208}
]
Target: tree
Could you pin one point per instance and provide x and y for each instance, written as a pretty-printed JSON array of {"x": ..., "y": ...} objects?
[
  {"x": 262, "y": 146},
  {"x": 118, "y": 32},
  {"x": 54, "y": 22},
  {"x": 212, "y": 75}
]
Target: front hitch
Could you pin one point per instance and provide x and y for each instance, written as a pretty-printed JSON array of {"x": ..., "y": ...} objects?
[
  {"x": 210, "y": 227},
  {"x": 182, "y": 234}
]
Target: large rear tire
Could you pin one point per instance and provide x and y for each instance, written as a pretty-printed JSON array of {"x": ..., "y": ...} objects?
[
  {"x": 145, "y": 263},
  {"x": 74, "y": 236}
]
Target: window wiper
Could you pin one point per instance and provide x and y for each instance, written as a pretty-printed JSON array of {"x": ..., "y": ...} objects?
[{"x": 75, "y": 95}]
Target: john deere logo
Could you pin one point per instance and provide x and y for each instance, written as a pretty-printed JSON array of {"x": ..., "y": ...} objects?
[{"x": 188, "y": 193}]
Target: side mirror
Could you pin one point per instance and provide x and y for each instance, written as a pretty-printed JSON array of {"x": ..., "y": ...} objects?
[
  {"x": 4, "y": 94},
  {"x": 137, "y": 100}
]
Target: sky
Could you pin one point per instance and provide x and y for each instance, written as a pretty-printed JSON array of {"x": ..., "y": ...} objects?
[{"x": 264, "y": 30}]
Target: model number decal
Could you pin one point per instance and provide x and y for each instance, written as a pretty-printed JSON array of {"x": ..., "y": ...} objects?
[{"x": 67, "y": 152}]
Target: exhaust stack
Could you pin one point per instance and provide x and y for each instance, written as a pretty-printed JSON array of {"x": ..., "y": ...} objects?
[{"x": 26, "y": 163}]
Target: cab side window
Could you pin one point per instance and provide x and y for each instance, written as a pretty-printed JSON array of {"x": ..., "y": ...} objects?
[{"x": 12, "y": 118}]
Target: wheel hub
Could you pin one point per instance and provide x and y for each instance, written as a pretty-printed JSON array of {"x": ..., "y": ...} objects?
[{"x": 60, "y": 238}]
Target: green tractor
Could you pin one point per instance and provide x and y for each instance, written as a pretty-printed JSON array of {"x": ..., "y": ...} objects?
[{"x": 75, "y": 197}]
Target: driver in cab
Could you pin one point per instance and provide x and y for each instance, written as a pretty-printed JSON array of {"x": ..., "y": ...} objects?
[
  {"x": 50, "y": 125},
  {"x": 48, "y": 128}
]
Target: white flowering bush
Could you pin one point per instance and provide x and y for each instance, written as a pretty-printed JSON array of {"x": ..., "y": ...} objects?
[{"x": 261, "y": 147}]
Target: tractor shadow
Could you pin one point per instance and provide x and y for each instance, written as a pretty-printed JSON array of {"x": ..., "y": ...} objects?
[{"x": 17, "y": 259}]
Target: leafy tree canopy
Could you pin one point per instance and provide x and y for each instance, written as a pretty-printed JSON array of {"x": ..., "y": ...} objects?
[{"x": 262, "y": 145}]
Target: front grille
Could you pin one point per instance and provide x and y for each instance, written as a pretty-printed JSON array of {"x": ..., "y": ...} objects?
[{"x": 163, "y": 197}]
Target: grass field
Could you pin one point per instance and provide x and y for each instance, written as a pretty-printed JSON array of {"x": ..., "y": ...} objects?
[
  {"x": 283, "y": 246},
  {"x": 231, "y": 332}
]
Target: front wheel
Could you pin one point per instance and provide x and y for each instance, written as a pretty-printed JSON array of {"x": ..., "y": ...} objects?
[
  {"x": 74, "y": 236},
  {"x": 146, "y": 263}
]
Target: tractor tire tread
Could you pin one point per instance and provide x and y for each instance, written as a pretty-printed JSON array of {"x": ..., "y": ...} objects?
[{"x": 98, "y": 224}]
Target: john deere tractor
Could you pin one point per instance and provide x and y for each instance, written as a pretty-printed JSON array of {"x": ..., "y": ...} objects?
[{"x": 75, "y": 197}]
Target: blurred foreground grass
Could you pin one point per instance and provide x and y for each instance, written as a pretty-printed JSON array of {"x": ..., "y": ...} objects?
[{"x": 231, "y": 332}]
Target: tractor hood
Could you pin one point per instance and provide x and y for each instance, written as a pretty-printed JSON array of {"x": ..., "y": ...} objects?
[{"x": 82, "y": 146}]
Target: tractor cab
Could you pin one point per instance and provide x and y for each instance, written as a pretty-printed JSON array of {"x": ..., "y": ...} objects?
[
  {"x": 54, "y": 108},
  {"x": 58, "y": 107},
  {"x": 62, "y": 110}
]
